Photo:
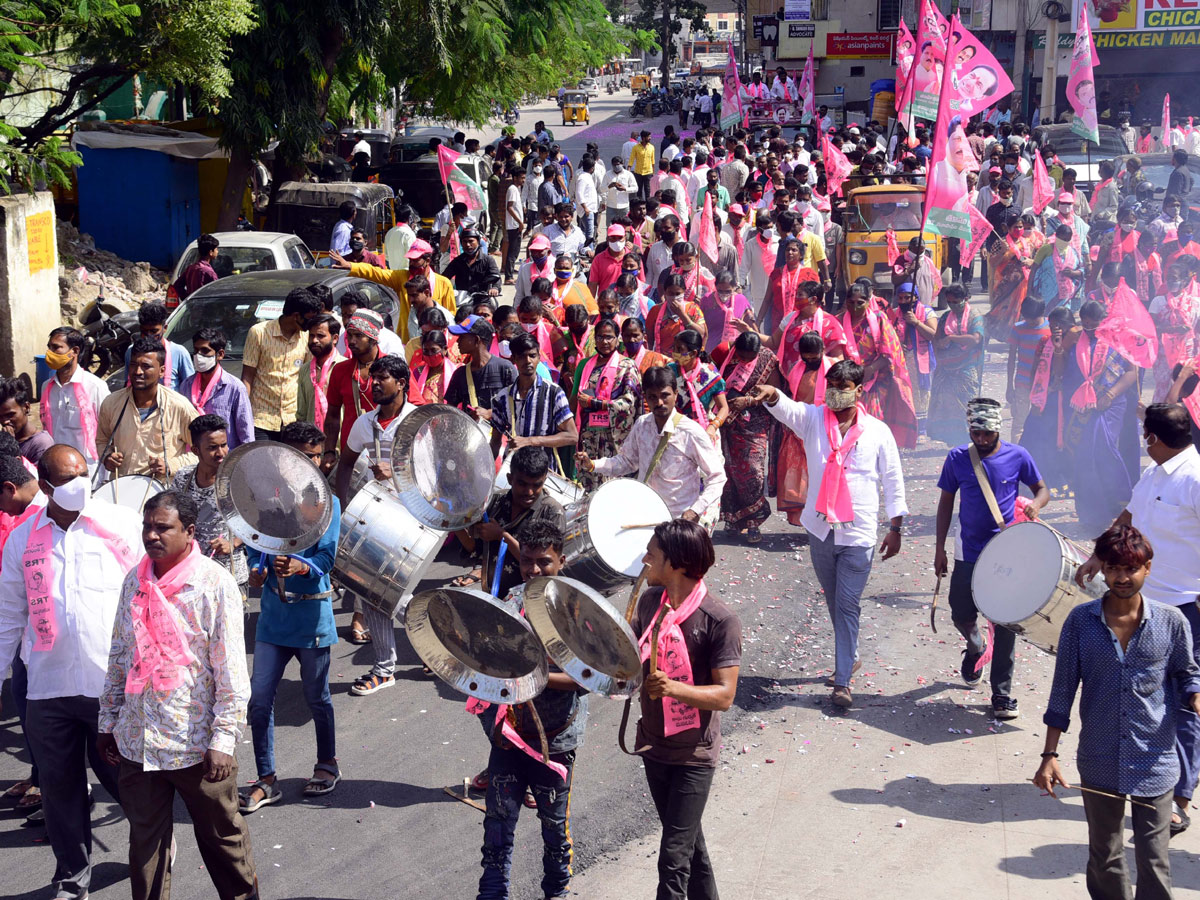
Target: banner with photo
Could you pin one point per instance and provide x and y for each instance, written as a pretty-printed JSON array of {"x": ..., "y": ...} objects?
[
  {"x": 977, "y": 80},
  {"x": 946, "y": 196},
  {"x": 906, "y": 52},
  {"x": 1081, "y": 83},
  {"x": 926, "y": 73},
  {"x": 731, "y": 101}
]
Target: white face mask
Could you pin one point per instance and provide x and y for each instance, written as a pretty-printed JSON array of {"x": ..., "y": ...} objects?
[
  {"x": 1061, "y": 245},
  {"x": 803, "y": 206},
  {"x": 837, "y": 399},
  {"x": 1005, "y": 201},
  {"x": 74, "y": 495},
  {"x": 203, "y": 363},
  {"x": 530, "y": 327},
  {"x": 505, "y": 353},
  {"x": 616, "y": 246}
]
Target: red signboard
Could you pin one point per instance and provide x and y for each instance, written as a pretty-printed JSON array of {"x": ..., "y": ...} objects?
[{"x": 859, "y": 45}]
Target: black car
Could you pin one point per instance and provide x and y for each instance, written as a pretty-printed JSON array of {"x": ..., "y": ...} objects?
[
  {"x": 237, "y": 302},
  {"x": 1157, "y": 167}
]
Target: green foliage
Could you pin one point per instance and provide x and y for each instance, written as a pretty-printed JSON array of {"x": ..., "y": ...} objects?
[{"x": 649, "y": 17}]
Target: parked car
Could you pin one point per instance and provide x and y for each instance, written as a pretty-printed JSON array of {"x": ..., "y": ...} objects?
[
  {"x": 246, "y": 251},
  {"x": 1079, "y": 154},
  {"x": 234, "y": 304},
  {"x": 1158, "y": 167},
  {"x": 414, "y": 143},
  {"x": 591, "y": 86}
]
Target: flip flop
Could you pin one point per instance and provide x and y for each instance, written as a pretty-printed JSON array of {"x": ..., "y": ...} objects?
[
  {"x": 17, "y": 790},
  {"x": 359, "y": 636},
  {"x": 467, "y": 580},
  {"x": 318, "y": 787},
  {"x": 30, "y": 800}
]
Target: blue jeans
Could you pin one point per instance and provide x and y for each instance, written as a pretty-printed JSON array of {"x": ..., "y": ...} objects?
[
  {"x": 20, "y": 691},
  {"x": 1187, "y": 723},
  {"x": 511, "y": 772},
  {"x": 269, "y": 662},
  {"x": 587, "y": 221},
  {"x": 843, "y": 573}
]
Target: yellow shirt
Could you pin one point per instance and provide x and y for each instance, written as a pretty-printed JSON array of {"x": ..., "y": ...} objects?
[
  {"x": 813, "y": 251},
  {"x": 641, "y": 159},
  {"x": 276, "y": 360},
  {"x": 443, "y": 290}
]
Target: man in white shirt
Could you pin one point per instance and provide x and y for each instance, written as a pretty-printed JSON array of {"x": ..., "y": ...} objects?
[
  {"x": 824, "y": 118},
  {"x": 399, "y": 238},
  {"x": 809, "y": 214},
  {"x": 738, "y": 230},
  {"x": 620, "y": 187},
  {"x": 841, "y": 515},
  {"x": 762, "y": 246},
  {"x": 689, "y": 474},
  {"x": 628, "y": 146},
  {"x": 1165, "y": 508},
  {"x": 706, "y": 108},
  {"x": 783, "y": 87},
  {"x": 60, "y": 581},
  {"x": 71, "y": 398},
  {"x": 586, "y": 198},
  {"x": 658, "y": 257},
  {"x": 360, "y": 146},
  {"x": 565, "y": 236}
]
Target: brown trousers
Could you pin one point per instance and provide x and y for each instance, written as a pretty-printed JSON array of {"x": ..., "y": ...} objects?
[{"x": 221, "y": 833}]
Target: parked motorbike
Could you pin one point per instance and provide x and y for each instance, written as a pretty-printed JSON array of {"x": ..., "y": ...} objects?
[
  {"x": 512, "y": 116},
  {"x": 108, "y": 332}
]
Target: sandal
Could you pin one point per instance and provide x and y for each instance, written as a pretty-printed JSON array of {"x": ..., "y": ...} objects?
[
  {"x": 270, "y": 794},
  {"x": 753, "y": 535},
  {"x": 1184, "y": 820},
  {"x": 481, "y": 781},
  {"x": 468, "y": 580},
  {"x": 30, "y": 800},
  {"x": 530, "y": 801},
  {"x": 18, "y": 790},
  {"x": 359, "y": 636},
  {"x": 316, "y": 787}
]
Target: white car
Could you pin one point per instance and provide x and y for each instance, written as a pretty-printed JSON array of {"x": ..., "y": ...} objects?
[
  {"x": 247, "y": 251},
  {"x": 590, "y": 85}
]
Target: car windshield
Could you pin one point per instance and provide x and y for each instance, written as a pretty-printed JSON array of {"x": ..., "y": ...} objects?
[
  {"x": 878, "y": 212},
  {"x": 1073, "y": 149},
  {"x": 233, "y": 315},
  {"x": 236, "y": 260}
]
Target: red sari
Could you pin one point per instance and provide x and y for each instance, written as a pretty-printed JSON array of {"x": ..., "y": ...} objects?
[
  {"x": 790, "y": 475},
  {"x": 888, "y": 395}
]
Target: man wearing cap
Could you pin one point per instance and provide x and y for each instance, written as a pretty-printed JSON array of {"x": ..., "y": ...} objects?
[
  {"x": 349, "y": 392},
  {"x": 483, "y": 376},
  {"x": 473, "y": 270},
  {"x": 642, "y": 161},
  {"x": 420, "y": 257},
  {"x": 989, "y": 473},
  {"x": 606, "y": 265},
  {"x": 539, "y": 265}
]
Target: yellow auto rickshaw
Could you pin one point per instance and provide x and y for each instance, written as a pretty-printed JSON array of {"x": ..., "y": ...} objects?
[
  {"x": 872, "y": 209},
  {"x": 575, "y": 108},
  {"x": 639, "y": 82}
]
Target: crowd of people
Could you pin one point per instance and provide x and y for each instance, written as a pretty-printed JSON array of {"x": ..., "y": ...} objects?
[{"x": 700, "y": 346}]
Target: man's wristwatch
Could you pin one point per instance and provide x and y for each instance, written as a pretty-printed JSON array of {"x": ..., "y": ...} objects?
[{"x": 894, "y": 528}]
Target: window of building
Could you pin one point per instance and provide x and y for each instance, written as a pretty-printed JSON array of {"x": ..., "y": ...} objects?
[
  {"x": 722, "y": 25},
  {"x": 889, "y": 14}
]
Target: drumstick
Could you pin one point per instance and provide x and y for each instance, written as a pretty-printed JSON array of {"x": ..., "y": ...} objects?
[
  {"x": 645, "y": 525},
  {"x": 1088, "y": 790},
  {"x": 631, "y": 606},
  {"x": 933, "y": 606}
]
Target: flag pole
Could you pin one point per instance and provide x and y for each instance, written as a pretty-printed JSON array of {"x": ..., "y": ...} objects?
[{"x": 937, "y": 135}]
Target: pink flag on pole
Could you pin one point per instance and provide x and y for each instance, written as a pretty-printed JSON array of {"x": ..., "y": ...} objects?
[
  {"x": 946, "y": 197},
  {"x": 977, "y": 80},
  {"x": 1081, "y": 83},
  {"x": 731, "y": 101},
  {"x": 1043, "y": 187},
  {"x": 837, "y": 167},
  {"x": 906, "y": 52},
  {"x": 926, "y": 76},
  {"x": 1166, "y": 123},
  {"x": 464, "y": 188},
  {"x": 893, "y": 249},
  {"x": 1128, "y": 328},
  {"x": 707, "y": 238},
  {"x": 808, "y": 89},
  {"x": 980, "y": 229}
]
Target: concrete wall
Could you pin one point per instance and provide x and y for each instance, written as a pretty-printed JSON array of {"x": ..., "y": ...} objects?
[{"x": 29, "y": 306}]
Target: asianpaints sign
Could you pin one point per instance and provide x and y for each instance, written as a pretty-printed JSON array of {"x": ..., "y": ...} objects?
[{"x": 859, "y": 45}]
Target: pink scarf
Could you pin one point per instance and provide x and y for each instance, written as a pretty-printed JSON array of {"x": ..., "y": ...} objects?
[
  {"x": 160, "y": 653},
  {"x": 604, "y": 388},
  {"x": 852, "y": 342},
  {"x": 833, "y": 499},
  {"x": 920, "y": 342},
  {"x": 697, "y": 407},
  {"x": 1091, "y": 364},
  {"x": 199, "y": 399},
  {"x": 416, "y": 391},
  {"x": 320, "y": 381},
  {"x": 545, "y": 270},
  {"x": 738, "y": 378},
  {"x": 1192, "y": 400},
  {"x": 797, "y": 374},
  {"x": 38, "y": 559},
  {"x": 1041, "y": 376},
  {"x": 768, "y": 254},
  {"x": 673, "y": 658},
  {"x": 87, "y": 415},
  {"x": 960, "y": 324}
]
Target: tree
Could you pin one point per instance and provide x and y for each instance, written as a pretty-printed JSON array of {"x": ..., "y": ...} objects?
[
  {"x": 62, "y": 58},
  {"x": 666, "y": 18}
]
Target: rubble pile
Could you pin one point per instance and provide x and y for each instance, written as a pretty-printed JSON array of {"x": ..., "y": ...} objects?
[{"x": 84, "y": 272}]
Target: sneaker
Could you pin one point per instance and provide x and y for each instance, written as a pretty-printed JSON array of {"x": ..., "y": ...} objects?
[
  {"x": 842, "y": 697},
  {"x": 371, "y": 683},
  {"x": 971, "y": 673},
  {"x": 1004, "y": 708}
]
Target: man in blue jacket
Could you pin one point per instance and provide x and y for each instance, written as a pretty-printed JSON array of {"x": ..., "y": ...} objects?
[{"x": 300, "y": 625}]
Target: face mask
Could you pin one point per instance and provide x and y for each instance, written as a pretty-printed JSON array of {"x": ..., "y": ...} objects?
[
  {"x": 73, "y": 495},
  {"x": 57, "y": 361},
  {"x": 530, "y": 327},
  {"x": 563, "y": 276},
  {"x": 1009, "y": 168},
  {"x": 1006, "y": 201},
  {"x": 625, "y": 299},
  {"x": 810, "y": 365},
  {"x": 356, "y": 245},
  {"x": 537, "y": 170},
  {"x": 505, "y": 353},
  {"x": 204, "y": 363},
  {"x": 633, "y": 347},
  {"x": 804, "y": 206},
  {"x": 1061, "y": 245},
  {"x": 840, "y": 399},
  {"x": 616, "y": 246},
  {"x": 1017, "y": 233},
  {"x": 765, "y": 233},
  {"x": 539, "y": 259}
]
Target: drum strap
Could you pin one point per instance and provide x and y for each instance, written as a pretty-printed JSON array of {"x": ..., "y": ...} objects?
[
  {"x": 985, "y": 486},
  {"x": 471, "y": 395},
  {"x": 663, "y": 440}
]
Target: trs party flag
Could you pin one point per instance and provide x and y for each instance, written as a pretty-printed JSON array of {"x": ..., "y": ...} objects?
[
  {"x": 1166, "y": 123},
  {"x": 946, "y": 198},
  {"x": 808, "y": 88},
  {"x": 932, "y": 32},
  {"x": 906, "y": 52},
  {"x": 837, "y": 167},
  {"x": 980, "y": 229},
  {"x": 1043, "y": 187},
  {"x": 977, "y": 80},
  {"x": 465, "y": 188},
  {"x": 731, "y": 100},
  {"x": 1081, "y": 83}
]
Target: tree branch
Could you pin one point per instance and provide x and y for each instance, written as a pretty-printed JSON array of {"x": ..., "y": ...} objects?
[{"x": 55, "y": 117}]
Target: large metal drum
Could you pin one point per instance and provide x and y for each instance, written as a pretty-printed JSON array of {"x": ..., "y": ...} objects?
[
  {"x": 129, "y": 491},
  {"x": 1024, "y": 580},
  {"x": 560, "y": 489},
  {"x": 607, "y": 533},
  {"x": 383, "y": 551}
]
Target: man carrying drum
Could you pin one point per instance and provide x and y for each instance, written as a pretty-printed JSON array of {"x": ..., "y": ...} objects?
[
  {"x": 1165, "y": 508},
  {"x": 989, "y": 473}
]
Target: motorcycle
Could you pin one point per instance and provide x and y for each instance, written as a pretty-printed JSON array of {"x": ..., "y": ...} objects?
[
  {"x": 108, "y": 332},
  {"x": 610, "y": 87},
  {"x": 512, "y": 116}
]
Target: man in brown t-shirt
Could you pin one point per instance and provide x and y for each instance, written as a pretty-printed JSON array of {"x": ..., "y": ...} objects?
[{"x": 696, "y": 653}]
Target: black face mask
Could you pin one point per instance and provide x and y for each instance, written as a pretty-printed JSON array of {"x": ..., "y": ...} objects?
[{"x": 356, "y": 246}]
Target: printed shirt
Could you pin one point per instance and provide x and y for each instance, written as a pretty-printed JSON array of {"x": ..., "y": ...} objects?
[
  {"x": 1127, "y": 710},
  {"x": 168, "y": 730},
  {"x": 141, "y": 440},
  {"x": 211, "y": 524},
  {"x": 1007, "y": 468},
  {"x": 539, "y": 413},
  {"x": 87, "y": 584},
  {"x": 276, "y": 360},
  {"x": 1027, "y": 340},
  {"x": 1166, "y": 509}
]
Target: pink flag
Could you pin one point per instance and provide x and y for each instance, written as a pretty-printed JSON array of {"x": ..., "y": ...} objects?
[
  {"x": 837, "y": 167},
  {"x": 977, "y": 80},
  {"x": 926, "y": 75},
  {"x": 1081, "y": 84},
  {"x": 893, "y": 249},
  {"x": 1166, "y": 123},
  {"x": 463, "y": 186},
  {"x": 906, "y": 52},
  {"x": 1043, "y": 187},
  {"x": 946, "y": 196},
  {"x": 808, "y": 89},
  {"x": 1128, "y": 328},
  {"x": 708, "y": 229},
  {"x": 980, "y": 229},
  {"x": 731, "y": 102}
]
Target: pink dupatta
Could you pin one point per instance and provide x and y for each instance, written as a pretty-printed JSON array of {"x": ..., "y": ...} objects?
[
  {"x": 673, "y": 658},
  {"x": 160, "y": 653},
  {"x": 833, "y": 498}
]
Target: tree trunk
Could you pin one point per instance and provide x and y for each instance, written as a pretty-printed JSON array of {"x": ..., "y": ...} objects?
[
  {"x": 666, "y": 43},
  {"x": 240, "y": 164},
  {"x": 1018, "y": 98}
]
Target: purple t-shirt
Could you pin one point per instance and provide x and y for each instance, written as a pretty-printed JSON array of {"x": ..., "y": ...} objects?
[
  {"x": 715, "y": 315},
  {"x": 1007, "y": 468}
]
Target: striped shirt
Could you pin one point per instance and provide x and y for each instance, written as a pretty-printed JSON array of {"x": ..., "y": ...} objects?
[
  {"x": 1026, "y": 340},
  {"x": 276, "y": 360},
  {"x": 538, "y": 414}
]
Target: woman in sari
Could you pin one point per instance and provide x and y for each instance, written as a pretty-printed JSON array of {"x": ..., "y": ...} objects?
[
  {"x": 1122, "y": 241},
  {"x": 607, "y": 397},
  {"x": 722, "y": 308},
  {"x": 959, "y": 343},
  {"x": 916, "y": 327},
  {"x": 745, "y": 437},
  {"x": 781, "y": 286},
  {"x": 633, "y": 345},
  {"x": 1101, "y": 432},
  {"x": 807, "y": 315},
  {"x": 872, "y": 343},
  {"x": 1176, "y": 314},
  {"x": 1008, "y": 275},
  {"x": 431, "y": 370},
  {"x": 700, "y": 387},
  {"x": 1056, "y": 277},
  {"x": 1045, "y": 426},
  {"x": 674, "y": 314},
  {"x": 805, "y": 381}
]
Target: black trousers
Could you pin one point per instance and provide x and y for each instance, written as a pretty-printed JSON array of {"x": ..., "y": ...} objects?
[
  {"x": 643, "y": 185},
  {"x": 680, "y": 794}
]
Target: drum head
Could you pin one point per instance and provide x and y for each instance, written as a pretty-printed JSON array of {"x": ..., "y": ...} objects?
[
  {"x": 1017, "y": 572},
  {"x": 477, "y": 645},
  {"x": 273, "y": 497},
  {"x": 618, "y": 503},
  {"x": 584, "y": 635},
  {"x": 129, "y": 491},
  {"x": 442, "y": 467}
]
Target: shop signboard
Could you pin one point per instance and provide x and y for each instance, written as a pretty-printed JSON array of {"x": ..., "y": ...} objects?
[{"x": 860, "y": 45}]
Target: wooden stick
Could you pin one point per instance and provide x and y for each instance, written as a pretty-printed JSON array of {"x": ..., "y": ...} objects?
[
  {"x": 937, "y": 588},
  {"x": 1088, "y": 790},
  {"x": 646, "y": 525},
  {"x": 631, "y": 606}
]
